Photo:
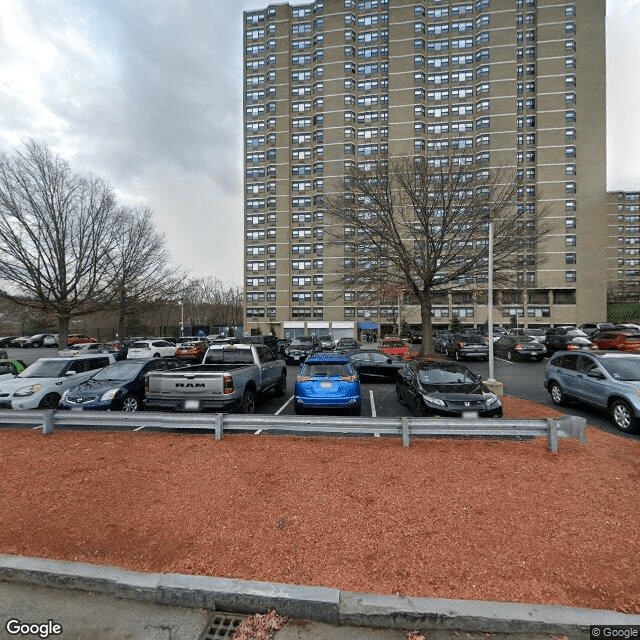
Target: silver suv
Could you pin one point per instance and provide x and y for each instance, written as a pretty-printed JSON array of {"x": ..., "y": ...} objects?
[
  {"x": 41, "y": 384},
  {"x": 606, "y": 379}
]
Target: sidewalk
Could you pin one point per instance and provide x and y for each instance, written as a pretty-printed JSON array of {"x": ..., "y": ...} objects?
[{"x": 91, "y": 602}]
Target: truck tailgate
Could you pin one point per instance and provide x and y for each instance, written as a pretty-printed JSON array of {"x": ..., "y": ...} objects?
[{"x": 192, "y": 385}]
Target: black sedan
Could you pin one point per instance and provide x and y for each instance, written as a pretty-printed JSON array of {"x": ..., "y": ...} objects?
[
  {"x": 117, "y": 387},
  {"x": 375, "y": 365},
  {"x": 445, "y": 389},
  {"x": 519, "y": 348},
  {"x": 298, "y": 351}
]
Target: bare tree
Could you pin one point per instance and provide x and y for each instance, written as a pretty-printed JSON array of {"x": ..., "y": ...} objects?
[
  {"x": 143, "y": 276},
  {"x": 57, "y": 232},
  {"x": 211, "y": 301},
  {"x": 406, "y": 225}
]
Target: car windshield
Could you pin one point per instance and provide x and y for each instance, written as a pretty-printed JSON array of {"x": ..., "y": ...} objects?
[
  {"x": 394, "y": 344},
  {"x": 45, "y": 369},
  {"x": 622, "y": 368},
  {"x": 473, "y": 340},
  {"x": 442, "y": 375},
  {"x": 325, "y": 370},
  {"x": 533, "y": 332},
  {"x": 300, "y": 344},
  {"x": 119, "y": 371}
]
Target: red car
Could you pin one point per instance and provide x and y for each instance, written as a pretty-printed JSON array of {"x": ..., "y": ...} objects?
[
  {"x": 192, "y": 350},
  {"x": 394, "y": 346},
  {"x": 79, "y": 338},
  {"x": 618, "y": 340}
]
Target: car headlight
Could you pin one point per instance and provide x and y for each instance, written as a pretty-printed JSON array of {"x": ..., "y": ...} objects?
[
  {"x": 28, "y": 391},
  {"x": 437, "y": 401},
  {"x": 109, "y": 395}
]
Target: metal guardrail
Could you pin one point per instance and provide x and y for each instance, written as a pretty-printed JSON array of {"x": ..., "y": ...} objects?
[{"x": 218, "y": 423}]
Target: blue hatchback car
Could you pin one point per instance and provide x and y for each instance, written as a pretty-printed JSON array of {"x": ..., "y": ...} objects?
[{"x": 327, "y": 381}]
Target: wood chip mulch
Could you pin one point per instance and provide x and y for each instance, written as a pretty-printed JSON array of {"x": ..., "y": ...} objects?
[{"x": 446, "y": 518}]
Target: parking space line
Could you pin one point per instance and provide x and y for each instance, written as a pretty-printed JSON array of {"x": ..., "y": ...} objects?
[
  {"x": 373, "y": 404},
  {"x": 138, "y": 428},
  {"x": 283, "y": 407}
]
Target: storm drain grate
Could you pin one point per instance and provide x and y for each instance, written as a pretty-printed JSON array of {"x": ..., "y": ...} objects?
[{"x": 221, "y": 626}]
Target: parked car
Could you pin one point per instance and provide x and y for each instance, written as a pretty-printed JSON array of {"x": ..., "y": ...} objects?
[
  {"x": 326, "y": 342},
  {"x": 151, "y": 349},
  {"x": 301, "y": 348},
  {"x": 37, "y": 340},
  {"x": 445, "y": 389},
  {"x": 117, "y": 387},
  {"x": 6, "y": 341},
  {"x": 11, "y": 368},
  {"x": 537, "y": 334},
  {"x": 347, "y": 345},
  {"x": 519, "y": 348},
  {"x": 76, "y": 338},
  {"x": 42, "y": 383},
  {"x": 376, "y": 366},
  {"x": 80, "y": 348},
  {"x": 618, "y": 340},
  {"x": 394, "y": 346},
  {"x": 609, "y": 380},
  {"x": 567, "y": 338},
  {"x": 22, "y": 342},
  {"x": 50, "y": 340},
  {"x": 327, "y": 381},
  {"x": 590, "y": 327},
  {"x": 440, "y": 339},
  {"x": 471, "y": 346},
  {"x": 191, "y": 350}
]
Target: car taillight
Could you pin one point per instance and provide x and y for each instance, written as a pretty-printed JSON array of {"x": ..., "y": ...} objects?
[
  {"x": 304, "y": 379},
  {"x": 518, "y": 346},
  {"x": 228, "y": 384},
  {"x": 352, "y": 378}
]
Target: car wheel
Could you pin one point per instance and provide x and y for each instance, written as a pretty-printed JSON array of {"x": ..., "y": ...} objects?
[
  {"x": 50, "y": 401},
  {"x": 557, "y": 395},
  {"x": 510, "y": 356},
  {"x": 398, "y": 394},
  {"x": 622, "y": 416},
  {"x": 156, "y": 355},
  {"x": 248, "y": 402},
  {"x": 356, "y": 411},
  {"x": 298, "y": 409},
  {"x": 281, "y": 385},
  {"x": 131, "y": 403},
  {"x": 458, "y": 356}
]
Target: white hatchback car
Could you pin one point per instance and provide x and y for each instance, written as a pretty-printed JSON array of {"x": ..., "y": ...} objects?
[
  {"x": 41, "y": 384},
  {"x": 151, "y": 349}
]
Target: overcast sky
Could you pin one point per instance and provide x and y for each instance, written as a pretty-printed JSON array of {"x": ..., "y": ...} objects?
[{"x": 147, "y": 94}]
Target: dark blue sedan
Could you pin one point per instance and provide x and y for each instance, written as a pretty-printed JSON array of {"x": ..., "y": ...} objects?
[{"x": 117, "y": 387}]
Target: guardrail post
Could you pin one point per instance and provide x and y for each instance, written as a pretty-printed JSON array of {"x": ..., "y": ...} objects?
[
  {"x": 47, "y": 423},
  {"x": 552, "y": 438},
  {"x": 405, "y": 431},
  {"x": 219, "y": 419}
]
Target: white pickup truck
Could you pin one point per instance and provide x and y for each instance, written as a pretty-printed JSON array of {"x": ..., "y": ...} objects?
[{"x": 229, "y": 379}]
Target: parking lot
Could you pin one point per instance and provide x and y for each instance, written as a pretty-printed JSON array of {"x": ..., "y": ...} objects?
[{"x": 520, "y": 379}]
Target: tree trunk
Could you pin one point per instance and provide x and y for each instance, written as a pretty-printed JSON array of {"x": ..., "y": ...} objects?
[
  {"x": 63, "y": 332},
  {"x": 427, "y": 348}
]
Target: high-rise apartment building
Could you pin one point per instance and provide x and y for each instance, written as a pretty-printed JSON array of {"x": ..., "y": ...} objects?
[{"x": 329, "y": 85}]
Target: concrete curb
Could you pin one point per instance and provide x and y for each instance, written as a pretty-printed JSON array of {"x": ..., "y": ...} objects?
[{"x": 312, "y": 603}]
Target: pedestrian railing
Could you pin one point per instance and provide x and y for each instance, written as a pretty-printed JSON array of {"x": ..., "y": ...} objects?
[{"x": 219, "y": 423}]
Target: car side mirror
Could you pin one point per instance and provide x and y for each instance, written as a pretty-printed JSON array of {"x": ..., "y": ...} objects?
[
  {"x": 389, "y": 361},
  {"x": 595, "y": 373},
  {"x": 70, "y": 373}
]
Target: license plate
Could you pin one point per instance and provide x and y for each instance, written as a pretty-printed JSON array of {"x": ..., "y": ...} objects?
[
  {"x": 192, "y": 405},
  {"x": 326, "y": 385}
]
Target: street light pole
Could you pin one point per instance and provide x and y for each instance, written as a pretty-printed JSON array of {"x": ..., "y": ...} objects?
[
  {"x": 181, "y": 318},
  {"x": 490, "y": 303}
]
